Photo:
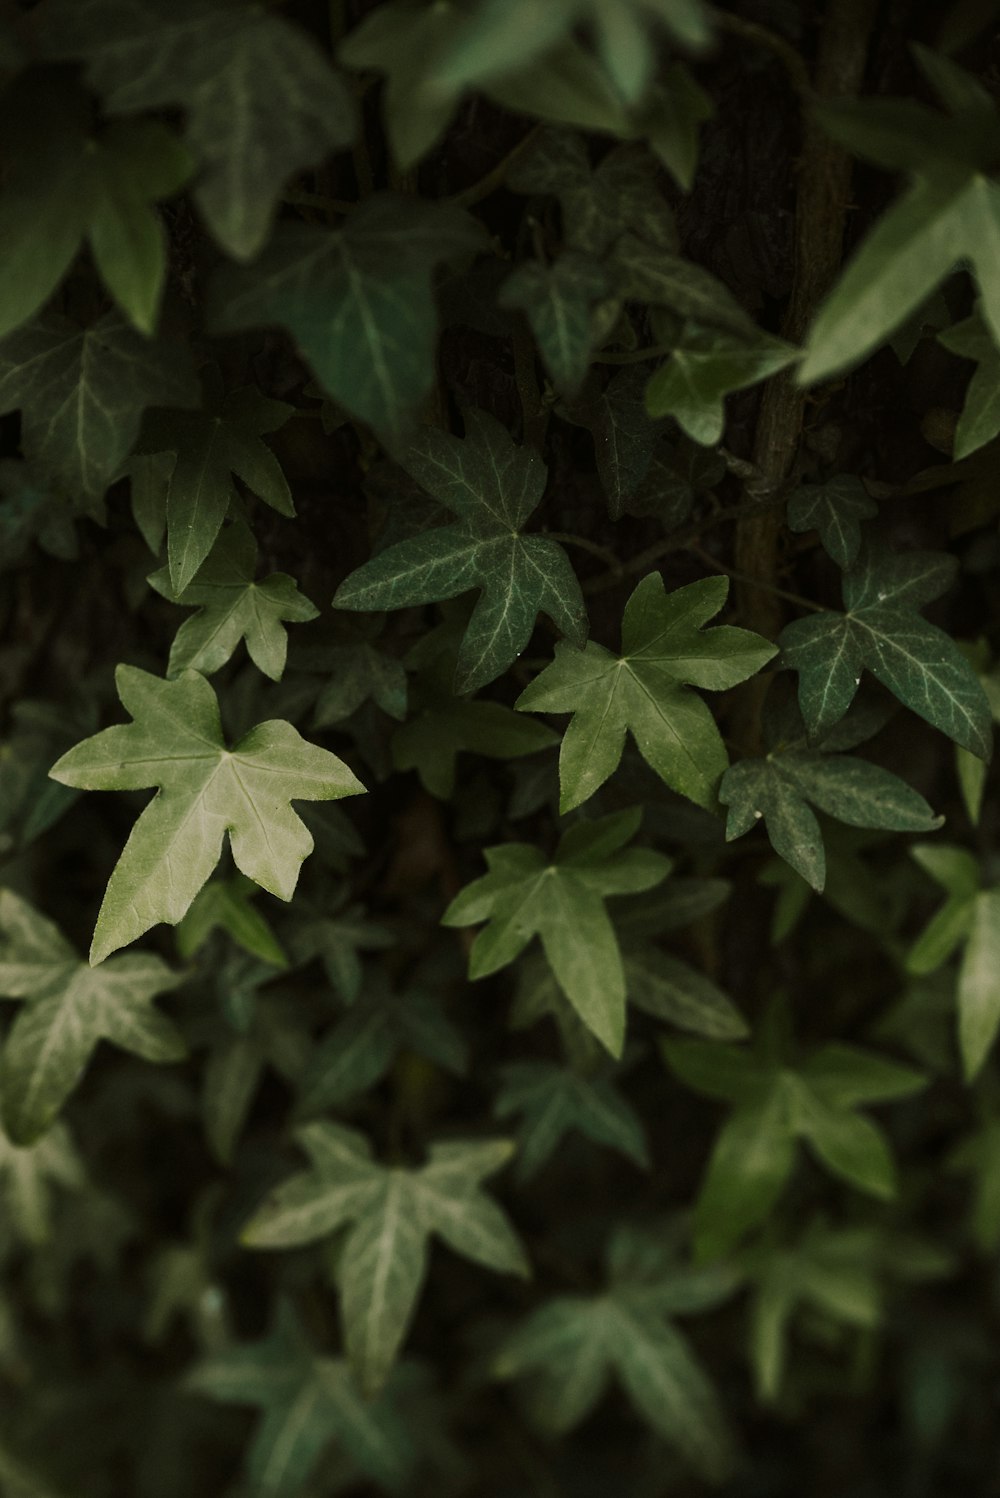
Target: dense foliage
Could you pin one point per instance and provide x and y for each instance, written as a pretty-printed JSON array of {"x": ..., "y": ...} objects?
[{"x": 562, "y": 433}]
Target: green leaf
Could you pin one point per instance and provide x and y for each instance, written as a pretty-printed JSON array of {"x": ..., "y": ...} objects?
[
  {"x": 669, "y": 989},
  {"x": 225, "y": 905},
  {"x": 882, "y": 631},
  {"x": 439, "y": 730},
  {"x": 82, "y": 390},
  {"x": 69, "y": 1007},
  {"x": 261, "y": 101},
  {"x": 625, "y": 436},
  {"x": 650, "y": 274},
  {"x": 212, "y": 447},
  {"x": 391, "y": 1213},
  {"x": 357, "y": 300},
  {"x": 559, "y": 302},
  {"x": 775, "y": 790},
  {"x": 949, "y": 214},
  {"x": 309, "y": 1402},
  {"x": 645, "y": 691},
  {"x": 552, "y": 1100},
  {"x": 571, "y": 1345},
  {"x": 29, "y": 1176},
  {"x": 206, "y": 790},
  {"x": 233, "y": 607},
  {"x": 561, "y": 900},
  {"x": 492, "y": 486},
  {"x": 702, "y": 370},
  {"x": 835, "y": 509},
  {"x": 979, "y": 422},
  {"x": 776, "y": 1104},
  {"x": 67, "y": 186}
]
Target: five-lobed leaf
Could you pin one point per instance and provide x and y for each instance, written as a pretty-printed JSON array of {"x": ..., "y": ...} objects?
[
  {"x": 561, "y": 900},
  {"x": 646, "y": 691},
  {"x": 69, "y": 1007},
  {"x": 206, "y": 790},
  {"x": 233, "y": 606},
  {"x": 493, "y": 486},
  {"x": 881, "y": 631},
  {"x": 261, "y": 101},
  {"x": 391, "y": 1213}
]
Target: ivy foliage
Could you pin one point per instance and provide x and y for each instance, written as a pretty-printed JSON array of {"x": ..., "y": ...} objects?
[{"x": 564, "y": 435}]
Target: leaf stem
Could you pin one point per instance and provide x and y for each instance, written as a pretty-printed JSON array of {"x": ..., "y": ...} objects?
[
  {"x": 754, "y": 582},
  {"x": 752, "y": 31},
  {"x": 494, "y": 178},
  {"x": 317, "y": 200},
  {"x": 606, "y": 555},
  {"x": 635, "y": 356}
]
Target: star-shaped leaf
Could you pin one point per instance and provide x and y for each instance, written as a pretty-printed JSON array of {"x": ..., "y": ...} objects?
[
  {"x": 552, "y": 1100},
  {"x": 572, "y": 1344},
  {"x": 101, "y": 189},
  {"x": 646, "y": 691},
  {"x": 706, "y": 366},
  {"x": 232, "y": 606},
  {"x": 356, "y": 1052},
  {"x": 212, "y": 447},
  {"x": 493, "y": 486},
  {"x": 949, "y": 214},
  {"x": 206, "y": 790},
  {"x": 309, "y": 1402},
  {"x": 970, "y": 921},
  {"x": 69, "y": 1007},
  {"x": 82, "y": 390},
  {"x": 261, "y": 101},
  {"x": 357, "y": 300},
  {"x": 835, "y": 509},
  {"x": 882, "y": 631},
  {"x": 776, "y": 789},
  {"x": 777, "y": 1102},
  {"x": 561, "y": 900},
  {"x": 392, "y": 1211}
]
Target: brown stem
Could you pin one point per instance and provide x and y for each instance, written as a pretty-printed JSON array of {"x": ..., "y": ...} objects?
[{"x": 824, "y": 177}]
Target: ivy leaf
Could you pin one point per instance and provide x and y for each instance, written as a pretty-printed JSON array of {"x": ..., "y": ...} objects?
[
  {"x": 645, "y": 691},
  {"x": 357, "y": 1052},
  {"x": 625, "y": 436},
  {"x": 82, "y": 390},
  {"x": 704, "y": 367},
  {"x": 336, "y": 933},
  {"x": 777, "y": 788},
  {"x": 232, "y": 607},
  {"x": 262, "y": 103},
  {"x": 561, "y": 900},
  {"x": 552, "y": 1100},
  {"x": 949, "y": 214},
  {"x": 211, "y": 447},
  {"x": 392, "y": 1211},
  {"x": 309, "y": 1402},
  {"x": 225, "y": 905},
  {"x": 979, "y": 422},
  {"x": 558, "y": 301},
  {"x": 358, "y": 671},
  {"x": 442, "y": 729},
  {"x": 835, "y": 509},
  {"x": 65, "y": 185},
  {"x": 671, "y": 990},
  {"x": 649, "y": 274},
  {"x": 357, "y": 300},
  {"x": 492, "y": 485},
  {"x": 775, "y": 1104},
  {"x": 572, "y": 1344},
  {"x": 206, "y": 790},
  {"x": 970, "y": 920},
  {"x": 69, "y": 1007},
  {"x": 882, "y": 631},
  {"x": 29, "y": 1176}
]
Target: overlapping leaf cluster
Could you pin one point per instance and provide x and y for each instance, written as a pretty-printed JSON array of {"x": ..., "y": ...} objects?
[{"x": 451, "y": 409}]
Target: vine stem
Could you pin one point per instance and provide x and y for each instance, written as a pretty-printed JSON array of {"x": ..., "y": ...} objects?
[
  {"x": 636, "y": 356},
  {"x": 606, "y": 555},
  {"x": 494, "y": 178},
  {"x": 753, "y": 582}
]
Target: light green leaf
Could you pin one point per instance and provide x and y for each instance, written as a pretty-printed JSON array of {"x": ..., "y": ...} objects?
[
  {"x": 260, "y": 99},
  {"x": 979, "y": 422},
  {"x": 392, "y": 1211},
  {"x": 562, "y": 901},
  {"x": 645, "y": 691},
  {"x": 206, "y": 790},
  {"x": 357, "y": 300},
  {"x": 82, "y": 390},
  {"x": 669, "y": 989},
  {"x": 29, "y": 1176},
  {"x": 69, "y": 1007},
  {"x": 212, "y": 447},
  {"x": 66, "y": 186},
  {"x": 775, "y": 790},
  {"x": 703, "y": 369},
  {"x": 835, "y": 509},
  {"x": 225, "y": 904},
  {"x": 552, "y": 1100},
  {"x": 492, "y": 485},
  {"x": 881, "y": 630},
  {"x": 232, "y": 607}
]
